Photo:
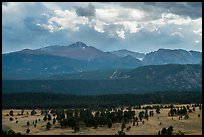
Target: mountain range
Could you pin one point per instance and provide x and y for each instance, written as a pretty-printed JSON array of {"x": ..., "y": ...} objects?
[
  {"x": 82, "y": 69},
  {"x": 78, "y": 57}
]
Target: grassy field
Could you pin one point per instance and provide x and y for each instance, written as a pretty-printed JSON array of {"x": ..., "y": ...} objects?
[{"x": 191, "y": 126}]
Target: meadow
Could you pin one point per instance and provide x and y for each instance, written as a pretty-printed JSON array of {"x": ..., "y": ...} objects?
[{"x": 151, "y": 126}]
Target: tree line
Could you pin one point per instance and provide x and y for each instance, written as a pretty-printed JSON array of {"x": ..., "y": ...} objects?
[{"x": 56, "y": 100}]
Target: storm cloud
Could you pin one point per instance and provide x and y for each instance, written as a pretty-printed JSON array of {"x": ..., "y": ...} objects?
[
  {"x": 191, "y": 9},
  {"x": 88, "y": 11}
]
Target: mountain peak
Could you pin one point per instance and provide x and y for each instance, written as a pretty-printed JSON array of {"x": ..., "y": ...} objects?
[
  {"x": 25, "y": 50},
  {"x": 162, "y": 49},
  {"x": 28, "y": 51},
  {"x": 78, "y": 44},
  {"x": 124, "y": 50}
]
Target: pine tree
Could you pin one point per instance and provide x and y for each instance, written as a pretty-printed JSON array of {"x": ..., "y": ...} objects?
[
  {"x": 49, "y": 117},
  {"x": 163, "y": 132},
  {"x": 48, "y": 126},
  {"x": 45, "y": 118},
  {"x": 54, "y": 120},
  {"x": 11, "y": 113},
  {"x": 109, "y": 123}
]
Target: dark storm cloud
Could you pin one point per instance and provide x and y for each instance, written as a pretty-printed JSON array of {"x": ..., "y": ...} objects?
[
  {"x": 86, "y": 11},
  {"x": 191, "y": 9}
]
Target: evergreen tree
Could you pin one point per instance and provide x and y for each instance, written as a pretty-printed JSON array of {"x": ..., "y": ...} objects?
[
  {"x": 11, "y": 113},
  {"x": 49, "y": 117},
  {"x": 123, "y": 126},
  {"x": 109, "y": 123},
  {"x": 22, "y": 111},
  {"x": 193, "y": 108},
  {"x": 170, "y": 130},
  {"x": 121, "y": 133},
  {"x": 54, "y": 120},
  {"x": 45, "y": 118},
  {"x": 158, "y": 110},
  {"x": 48, "y": 126},
  {"x": 33, "y": 112},
  {"x": 164, "y": 131}
]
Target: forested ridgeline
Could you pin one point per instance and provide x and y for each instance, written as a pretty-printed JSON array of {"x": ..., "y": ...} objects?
[
  {"x": 105, "y": 86},
  {"x": 56, "y": 100}
]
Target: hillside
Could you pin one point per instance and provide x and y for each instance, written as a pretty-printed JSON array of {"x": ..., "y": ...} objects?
[{"x": 142, "y": 79}]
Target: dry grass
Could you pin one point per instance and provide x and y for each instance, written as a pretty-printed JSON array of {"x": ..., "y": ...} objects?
[{"x": 191, "y": 126}]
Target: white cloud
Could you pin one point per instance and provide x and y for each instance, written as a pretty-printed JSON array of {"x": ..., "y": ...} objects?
[
  {"x": 170, "y": 18},
  {"x": 66, "y": 19},
  {"x": 150, "y": 26},
  {"x": 198, "y": 32},
  {"x": 98, "y": 25},
  {"x": 134, "y": 20},
  {"x": 129, "y": 26},
  {"x": 123, "y": 19},
  {"x": 121, "y": 34},
  {"x": 175, "y": 19},
  {"x": 177, "y": 34},
  {"x": 49, "y": 27},
  {"x": 197, "y": 41},
  {"x": 119, "y": 14},
  {"x": 117, "y": 21}
]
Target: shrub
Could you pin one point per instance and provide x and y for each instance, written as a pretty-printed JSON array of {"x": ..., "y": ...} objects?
[
  {"x": 33, "y": 112},
  {"x": 11, "y": 119},
  {"x": 28, "y": 131},
  {"x": 11, "y": 132}
]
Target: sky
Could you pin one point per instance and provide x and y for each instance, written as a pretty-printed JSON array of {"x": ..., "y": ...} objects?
[{"x": 137, "y": 26}]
